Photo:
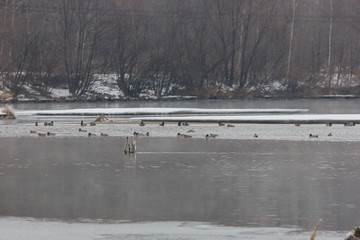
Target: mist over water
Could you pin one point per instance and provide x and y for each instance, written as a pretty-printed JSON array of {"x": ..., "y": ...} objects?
[{"x": 258, "y": 183}]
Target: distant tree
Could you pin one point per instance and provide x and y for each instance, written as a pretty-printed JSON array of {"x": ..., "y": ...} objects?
[{"x": 78, "y": 27}]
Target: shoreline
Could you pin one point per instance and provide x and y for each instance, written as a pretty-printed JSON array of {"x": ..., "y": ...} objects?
[{"x": 174, "y": 98}]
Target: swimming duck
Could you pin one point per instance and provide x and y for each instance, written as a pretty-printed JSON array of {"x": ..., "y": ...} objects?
[
  {"x": 230, "y": 125},
  {"x": 32, "y": 131},
  {"x": 42, "y": 134},
  {"x": 313, "y": 136},
  {"x": 45, "y": 123},
  {"x": 83, "y": 124},
  {"x": 50, "y": 134},
  {"x": 207, "y": 136},
  {"x": 221, "y": 124},
  {"x": 82, "y": 130},
  {"x": 91, "y": 134},
  {"x": 141, "y": 134},
  {"x": 141, "y": 124},
  {"x": 184, "y": 135},
  {"x": 297, "y": 124},
  {"x": 104, "y": 134},
  {"x": 190, "y": 131},
  {"x": 162, "y": 124},
  {"x": 329, "y": 124},
  {"x": 349, "y": 124},
  {"x": 179, "y": 124},
  {"x": 255, "y": 135},
  {"x": 51, "y": 123},
  {"x": 330, "y": 135},
  {"x": 185, "y": 124}
]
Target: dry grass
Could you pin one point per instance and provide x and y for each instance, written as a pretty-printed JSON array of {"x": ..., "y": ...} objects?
[
  {"x": 101, "y": 118},
  {"x": 9, "y": 111}
]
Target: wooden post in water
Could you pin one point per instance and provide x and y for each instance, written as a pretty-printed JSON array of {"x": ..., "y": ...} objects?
[
  {"x": 130, "y": 147},
  {"x": 316, "y": 229},
  {"x": 126, "y": 145}
]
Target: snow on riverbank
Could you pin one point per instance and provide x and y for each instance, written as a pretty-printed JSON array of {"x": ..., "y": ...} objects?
[
  {"x": 28, "y": 228},
  {"x": 154, "y": 111}
]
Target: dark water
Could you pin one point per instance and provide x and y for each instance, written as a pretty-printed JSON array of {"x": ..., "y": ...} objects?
[
  {"x": 242, "y": 183},
  {"x": 335, "y": 106}
]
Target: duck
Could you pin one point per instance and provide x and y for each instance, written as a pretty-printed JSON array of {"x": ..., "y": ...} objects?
[
  {"x": 32, "y": 131},
  {"x": 184, "y": 135},
  {"x": 349, "y": 124},
  {"x": 45, "y": 123},
  {"x": 50, "y": 134},
  {"x": 221, "y": 124},
  {"x": 162, "y": 124},
  {"x": 36, "y": 124},
  {"x": 91, "y": 134},
  {"x": 42, "y": 134},
  {"x": 104, "y": 134},
  {"x": 230, "y": 125},
  {"x": 190, "y": 131},
  {"x": 82, "y": 123},
  {"x": 330, "y": 134},
  {"x": 207, "y": 136},
  {"x": 51, "y": 123},
  {"x": 82, "y": 130},
  {"x": 329, "y": 124},
  {"x": 141, "y": 134},
  {"x": 297, "y": 124},
  {"x": 179, "y": 124},
  {"x": 313, "y": 136},
  {"x": 185, "y": 124},
  {"x": 141, "y": 124},
  {"x": 255, "y": 135}
]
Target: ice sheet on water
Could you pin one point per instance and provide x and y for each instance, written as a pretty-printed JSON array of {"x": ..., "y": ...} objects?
[
  {"x": 28, "y": 228},
  {"x": 287, "y": 132},
  {"x": 149, "y": 111},
  {"x": 259, "y": 118}
]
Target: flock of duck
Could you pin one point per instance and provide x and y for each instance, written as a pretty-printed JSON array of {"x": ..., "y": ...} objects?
[
  {"x": 180, "y": 135},
  {"x": 51, "y": 124}
]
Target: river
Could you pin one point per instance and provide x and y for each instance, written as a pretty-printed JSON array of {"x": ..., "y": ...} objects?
[{"x": 286, "y": 183}]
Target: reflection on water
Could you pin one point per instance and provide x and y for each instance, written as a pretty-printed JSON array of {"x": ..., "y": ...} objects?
[{"x": 235, "y": 182}]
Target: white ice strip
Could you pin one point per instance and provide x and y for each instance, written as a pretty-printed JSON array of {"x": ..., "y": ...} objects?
[
  {"x": 28, "y": 228},
  {"x": 305, "y": 118},
  {"x": 154, "y": 111}
]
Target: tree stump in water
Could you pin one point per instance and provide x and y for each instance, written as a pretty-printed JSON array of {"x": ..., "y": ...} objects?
[{"x": 355, "y": 235}]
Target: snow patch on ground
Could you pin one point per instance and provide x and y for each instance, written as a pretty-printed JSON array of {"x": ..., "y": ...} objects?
[{"x": 59, "y": 93}]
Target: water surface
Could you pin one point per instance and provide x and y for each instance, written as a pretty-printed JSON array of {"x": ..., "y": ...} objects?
[{"x": 261, "y": 183}]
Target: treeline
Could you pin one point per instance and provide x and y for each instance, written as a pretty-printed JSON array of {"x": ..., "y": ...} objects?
[{"x": 201, "y": 47}]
